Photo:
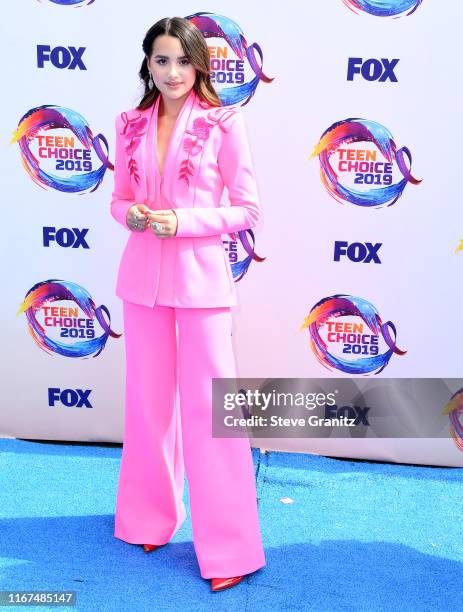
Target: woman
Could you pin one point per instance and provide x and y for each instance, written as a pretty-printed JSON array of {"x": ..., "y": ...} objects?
[{"x": 175, "y": 153}]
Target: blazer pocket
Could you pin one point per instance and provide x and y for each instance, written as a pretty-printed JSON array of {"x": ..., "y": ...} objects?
[{"x": 201, "y": 244}]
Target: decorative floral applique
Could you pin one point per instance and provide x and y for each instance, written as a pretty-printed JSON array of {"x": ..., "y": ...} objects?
[
  {"x": 133, "y": 131},
  {"x": 194, "y": 141}
]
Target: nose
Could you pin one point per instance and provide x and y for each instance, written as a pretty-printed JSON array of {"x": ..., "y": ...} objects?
[{"x": 173, "y": 70}]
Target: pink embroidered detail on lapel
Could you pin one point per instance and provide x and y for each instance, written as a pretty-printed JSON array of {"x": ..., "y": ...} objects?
[
  {"x": 133, "y": 131},
  {"x": 199, "y": 132}
]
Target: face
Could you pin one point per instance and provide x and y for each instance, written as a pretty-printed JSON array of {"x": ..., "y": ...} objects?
[{"x": 173, "y": 74}]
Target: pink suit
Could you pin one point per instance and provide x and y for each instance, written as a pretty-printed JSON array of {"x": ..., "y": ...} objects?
[
  {"x": 208, "y": 150},
  {"x": 184, "y": 280}
]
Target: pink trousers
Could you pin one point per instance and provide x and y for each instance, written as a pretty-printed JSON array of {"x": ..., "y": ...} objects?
[{"x": 168, "y": 431}]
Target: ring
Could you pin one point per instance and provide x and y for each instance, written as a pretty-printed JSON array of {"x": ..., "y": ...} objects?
[{"x": 156, "y": 226}]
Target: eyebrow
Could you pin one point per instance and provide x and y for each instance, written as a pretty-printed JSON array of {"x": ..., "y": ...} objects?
[{"x": 167, "y": 57}]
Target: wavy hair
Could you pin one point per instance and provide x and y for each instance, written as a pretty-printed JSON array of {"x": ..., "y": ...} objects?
[{"x": 194, "y": 47}]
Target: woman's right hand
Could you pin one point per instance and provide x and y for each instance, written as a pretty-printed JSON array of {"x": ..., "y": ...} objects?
[{"x": 137, "y": 217}]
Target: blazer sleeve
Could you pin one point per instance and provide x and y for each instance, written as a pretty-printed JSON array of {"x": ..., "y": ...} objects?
[
  {"x": 237, "y": 171},
  {"x": 122, "y": 196}
]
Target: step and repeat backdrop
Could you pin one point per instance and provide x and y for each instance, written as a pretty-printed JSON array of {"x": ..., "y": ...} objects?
[{"x": 352, "y": 110}]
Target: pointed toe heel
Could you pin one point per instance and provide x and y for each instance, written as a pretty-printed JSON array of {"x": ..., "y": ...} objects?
[
  {"x": 220, "y": 584},
  {"x": 150, "y": 547}
]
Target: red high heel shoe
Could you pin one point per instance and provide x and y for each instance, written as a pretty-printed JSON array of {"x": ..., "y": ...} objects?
[
  {"x": 150, "y": 547},
  {"x": 219, "y": 584}
]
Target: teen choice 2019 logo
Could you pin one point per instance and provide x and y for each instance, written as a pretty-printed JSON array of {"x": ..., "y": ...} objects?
[
  {"x": 71, "y": 2},
  {"x": 235, "y": 68},
  {"x": 346, "y": 333},
  {"x": 361, "y": 164},
  {"x": 59, "y": 150},
  {"x": 241, "y": 254},
  {"x": 384, "y": 8},
  {"x": 454, "y": 410},
  {"x": 75, "y": 328}
]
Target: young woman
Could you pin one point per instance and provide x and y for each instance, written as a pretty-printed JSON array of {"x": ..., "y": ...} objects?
[{"x": 175, "y": 153}]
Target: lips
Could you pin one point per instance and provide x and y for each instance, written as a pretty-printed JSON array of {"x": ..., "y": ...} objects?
[{"x": 173, "y": 84}]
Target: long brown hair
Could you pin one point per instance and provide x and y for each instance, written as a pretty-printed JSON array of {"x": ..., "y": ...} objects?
[{"x": 195, "y": 48}]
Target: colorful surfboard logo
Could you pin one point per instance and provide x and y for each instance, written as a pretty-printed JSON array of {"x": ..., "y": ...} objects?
[
  {"x": 454, "y": 410},
  {"x": 384, "y": 8},
  {"x": 346, "y": 333},
  {"x": 75, "y": 3},
  {"x": 241, "y": 253},
  {"x": 59, "y": 150},
  {"x": 236, "y": 67},
  {"x": 74, "y": 328},
  {"x": 361, "y": 164}
]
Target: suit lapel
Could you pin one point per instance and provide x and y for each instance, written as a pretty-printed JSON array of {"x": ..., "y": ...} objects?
[
  {"x": 174, "y": 154},
  {"x": 191, "y": 146},
  {"x": 149, "y": 152},
  {"x": 141, "y": 139}
]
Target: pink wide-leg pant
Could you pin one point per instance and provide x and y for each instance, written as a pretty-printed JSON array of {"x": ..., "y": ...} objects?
[{"x": 168, "y": 430}]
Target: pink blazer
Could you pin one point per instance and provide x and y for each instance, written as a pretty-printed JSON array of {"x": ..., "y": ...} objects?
[{"x": 208, "y": 151}]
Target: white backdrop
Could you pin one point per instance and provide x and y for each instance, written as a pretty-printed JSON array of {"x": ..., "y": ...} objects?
[{"x": 306, "y": 48}]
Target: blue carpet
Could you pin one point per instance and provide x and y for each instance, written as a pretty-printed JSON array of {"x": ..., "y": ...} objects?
[{"x": 359, "y": 536}]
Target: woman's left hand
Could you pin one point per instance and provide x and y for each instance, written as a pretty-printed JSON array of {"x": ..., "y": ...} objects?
[{"x": 163, "y": 223}]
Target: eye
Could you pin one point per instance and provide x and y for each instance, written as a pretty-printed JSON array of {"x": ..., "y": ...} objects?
[
  {"x": 160, "y": 61},
  {"x": 184, "y": 62}
]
